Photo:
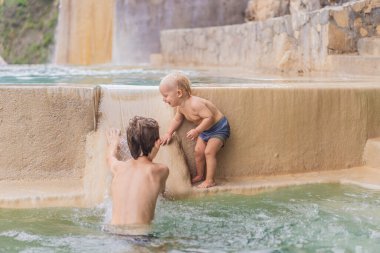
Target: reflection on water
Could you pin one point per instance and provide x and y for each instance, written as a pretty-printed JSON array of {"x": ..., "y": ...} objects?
[{"x": 313, "y": 218}]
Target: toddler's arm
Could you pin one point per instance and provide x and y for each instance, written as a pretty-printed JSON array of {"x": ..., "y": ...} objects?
[
  {"x": 207, "y": 121},
  {"x": 174, "y": 124}
]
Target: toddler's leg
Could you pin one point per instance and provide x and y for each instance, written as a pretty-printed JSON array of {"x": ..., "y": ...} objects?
[
  {"x": 212, "y": 148},
  {"x": 199, "y": 160}
]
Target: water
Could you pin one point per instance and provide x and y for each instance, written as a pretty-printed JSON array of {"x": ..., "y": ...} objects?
[
  {"x": 57, "y": 75},
  {"x": 312, "y": 218},
  {"x": 53, "y": 75}
]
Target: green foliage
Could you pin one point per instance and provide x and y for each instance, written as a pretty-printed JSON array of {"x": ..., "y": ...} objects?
[{"x": 27, "y": 29}]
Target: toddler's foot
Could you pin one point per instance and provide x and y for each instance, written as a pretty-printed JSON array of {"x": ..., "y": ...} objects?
[
  {"x": 196, "y": 179},
  {"x": 207, "y": 184}
]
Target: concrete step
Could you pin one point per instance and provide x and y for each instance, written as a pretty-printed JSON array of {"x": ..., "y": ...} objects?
[
  {"x": 43, "y": 193},
  {"x": 369, "y": 46},
  {"x": 372, "y": 153},
  {"x": 354, "y": 65},
  {"x": 363, "y": 176}
]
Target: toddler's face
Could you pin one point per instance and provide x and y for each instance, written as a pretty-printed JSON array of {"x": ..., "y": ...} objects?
[{"x": 169, "y": 95}]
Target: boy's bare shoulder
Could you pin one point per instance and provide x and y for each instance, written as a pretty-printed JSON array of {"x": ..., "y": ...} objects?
[{"x": 120, "y": 166}]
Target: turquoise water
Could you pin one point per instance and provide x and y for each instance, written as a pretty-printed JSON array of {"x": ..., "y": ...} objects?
[
  {"x": 52, "y": 75},
  {"x": 55, "y": 75},
  {"x": 312, "y": 218}
]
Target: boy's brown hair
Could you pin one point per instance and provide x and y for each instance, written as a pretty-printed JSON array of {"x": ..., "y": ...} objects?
[{"x": 142, "y": 133}]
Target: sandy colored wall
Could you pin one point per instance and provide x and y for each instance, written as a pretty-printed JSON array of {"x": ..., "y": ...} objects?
[
  {"x": 84, "y": 32},
  {"x": 287, "y": 130},
  {"x": 274, "y": 130},
  {"x": 43, "y": 132}
]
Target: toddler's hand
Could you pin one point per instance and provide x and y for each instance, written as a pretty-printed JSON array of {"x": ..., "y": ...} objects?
[
  {"x": 113, "y": 136},
  {"x": 166, "y": 139},
  {"x": 192, "y": 134}
]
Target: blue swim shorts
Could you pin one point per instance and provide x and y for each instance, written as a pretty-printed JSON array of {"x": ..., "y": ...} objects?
[{"x": 220, "y": 130}]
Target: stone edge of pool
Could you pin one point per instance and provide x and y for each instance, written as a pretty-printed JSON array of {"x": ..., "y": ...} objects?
[{"x": 41, "y": 169}]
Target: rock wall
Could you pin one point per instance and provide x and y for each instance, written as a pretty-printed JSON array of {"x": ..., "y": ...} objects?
[
  {"x": 264, "y": 9},
  {"x": 299, "y": 42}
]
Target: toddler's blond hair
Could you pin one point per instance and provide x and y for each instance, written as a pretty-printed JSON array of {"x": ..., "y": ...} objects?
[{"x": 183, "y": 82}]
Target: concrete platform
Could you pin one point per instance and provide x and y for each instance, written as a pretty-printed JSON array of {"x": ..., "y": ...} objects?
[
  {"x": 39, "y": 194},
  {"x": 46, "y": 193},
  {"x": 354, "y": 64},
  {"x": 365, "y": 177},
  {"x": 369, "y": 46}
]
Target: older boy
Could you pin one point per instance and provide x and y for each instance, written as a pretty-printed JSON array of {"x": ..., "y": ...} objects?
[
  {"x": 137, "y": 182},
  {"x": 212, "y": 127}
]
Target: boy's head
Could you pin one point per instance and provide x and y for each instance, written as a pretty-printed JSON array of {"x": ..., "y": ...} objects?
[
  {"x": 143, "y": 135},
  {"x": 175, "y": 87}
]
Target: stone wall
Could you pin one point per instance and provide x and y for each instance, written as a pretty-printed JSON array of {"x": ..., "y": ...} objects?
[
  {"x": 299, "y": 42},
  {"x": 43, "y": 132},
  {"x": 264, "y": 9},
  {"x": 138, "y": 23}
]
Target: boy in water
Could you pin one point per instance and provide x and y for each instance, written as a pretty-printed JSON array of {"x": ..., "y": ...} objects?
[
  {"x": 136, "y": 182},
  {"x": 211, "y": 131}
]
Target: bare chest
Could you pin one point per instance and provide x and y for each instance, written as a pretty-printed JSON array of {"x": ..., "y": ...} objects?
[{"x": 191, "y": 116}]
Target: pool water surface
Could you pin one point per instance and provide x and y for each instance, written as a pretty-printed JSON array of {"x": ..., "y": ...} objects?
[{"x": 310, "y": 218}]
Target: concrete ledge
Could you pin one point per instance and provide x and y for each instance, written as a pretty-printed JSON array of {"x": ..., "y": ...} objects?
[
  {"x": 32, "y": 194},
  {"x": 369, "y": 46},
  {"x": 365, "y": 177},
  {"x": 354, "y": 65}
]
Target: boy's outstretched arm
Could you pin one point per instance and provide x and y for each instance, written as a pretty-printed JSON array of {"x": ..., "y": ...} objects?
[
  {"x": 174, "y": 124},
  {"x": 113, "y": 138}
]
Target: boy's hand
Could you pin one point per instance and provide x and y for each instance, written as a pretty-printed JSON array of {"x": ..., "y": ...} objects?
[
  {"x": 166, "y": 139},
  {"x": 113, "y": 137},
  {"x": 192, "y": 134}
]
